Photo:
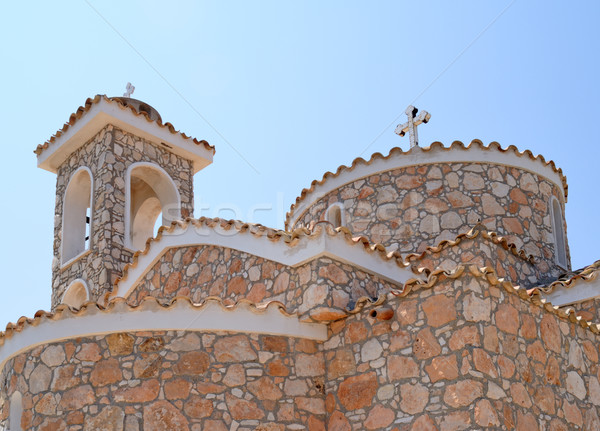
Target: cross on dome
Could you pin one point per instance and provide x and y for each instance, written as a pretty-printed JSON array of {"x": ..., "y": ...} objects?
[
  {"x": 129, "y": 90},
  {"x": 411, "y": 125}
]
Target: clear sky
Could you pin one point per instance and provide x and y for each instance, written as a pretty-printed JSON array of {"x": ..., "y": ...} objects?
[{"x": 289, "y": 90}]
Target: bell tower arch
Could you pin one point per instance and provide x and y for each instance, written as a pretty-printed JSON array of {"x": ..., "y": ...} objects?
[
  {"x": 118, "y": 169},
  {"x": 150, "y": 193}
]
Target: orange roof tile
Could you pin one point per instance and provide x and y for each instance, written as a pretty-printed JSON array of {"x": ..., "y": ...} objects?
[
  {"x": 478, "y": 230},
  {"x": 489, "y": 274},
  {"x": 570, "y": 279},
  {"x": 64, "y": 311}
]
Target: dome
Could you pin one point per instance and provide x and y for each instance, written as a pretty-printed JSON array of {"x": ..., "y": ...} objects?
[{"x": 140, "y": 107}]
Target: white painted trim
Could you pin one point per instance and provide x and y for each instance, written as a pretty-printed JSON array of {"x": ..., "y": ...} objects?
[
  {"x": 582, "y": 290},
  {"x": 80, "y": 281},
  {"x": 102, "y": 113},
  {"x": 417, "y": 156},
  {"x": 165, "y": 176},
  {"x": 307, "y": 249},
  {"x": 62, "y": 225},
  {"x": 342, "y": 213},
  {"x": 180, "y": 317}
]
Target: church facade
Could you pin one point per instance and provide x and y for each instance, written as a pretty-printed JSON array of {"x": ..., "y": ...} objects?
[{"x": 429, "y": 289}]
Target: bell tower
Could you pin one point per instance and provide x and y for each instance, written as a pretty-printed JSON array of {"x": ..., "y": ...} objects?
[{"x": 119, "y": 168}]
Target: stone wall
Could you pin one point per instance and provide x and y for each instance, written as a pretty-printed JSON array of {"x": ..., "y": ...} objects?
[
  {"x": 169, "y": 381},
  {"x": 321, "y": 289},
  {"x": 411, "y": 208},
  {"x": 108, "y": 155},
  {"x": 463, "y": 355}
]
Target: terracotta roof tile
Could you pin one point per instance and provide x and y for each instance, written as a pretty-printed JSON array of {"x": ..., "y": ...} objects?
[
  {"x": 258, "y": 230},
  {"x": 478, "y": 230},
  {"x": 99, "y": 97},
  {"x": 119, "y": 304}
]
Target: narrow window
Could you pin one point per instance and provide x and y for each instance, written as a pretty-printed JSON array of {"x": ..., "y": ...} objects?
[
  {"x": 76, "y": 294},
  {"x": 335, "y": 215},
  {"x": 150, "y": 194},
  {"x": 77, "y": 226},
  {"x": 88, "y": 231},
  {"x": 560, "y": 248},
  {"x": 15, "y": 412}
]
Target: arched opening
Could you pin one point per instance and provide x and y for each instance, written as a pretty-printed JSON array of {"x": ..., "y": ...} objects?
[
  {"x": 335, "y": 215},
  {"x": 76, "y": 294},
  {"x": 150, "y": 192},
  {"x": 16, "y": 412},
  {"x": 560, "y": 247},
  {"x": 77, "y": 217}
]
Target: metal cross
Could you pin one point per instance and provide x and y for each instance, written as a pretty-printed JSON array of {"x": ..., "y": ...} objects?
[
  {"x": 130, "y": 89},
  {"x": 411, "y": 125}
]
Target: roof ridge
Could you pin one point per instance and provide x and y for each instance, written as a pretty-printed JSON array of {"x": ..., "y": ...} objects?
[
  {"x": 474, "y": 232},
  {"x": 74, "y": 117},
  {"x": 434, "y": 145},
  {"x": 489, "y": 274},
  {"x": 258, "y": 230}
]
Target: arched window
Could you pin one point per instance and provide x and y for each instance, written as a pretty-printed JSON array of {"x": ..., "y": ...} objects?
[
  {"x": 76, "y": 294},
  {"x": 77, "y": 217},
  {"x": 560, "y": 248},
  {"x": 149, "y": 192},
  {"x": 335, "y": 215},
  {"x": 16, "y": 412}
]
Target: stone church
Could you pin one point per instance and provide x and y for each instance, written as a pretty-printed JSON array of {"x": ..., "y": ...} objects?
[{"x": 429, "y": 289}]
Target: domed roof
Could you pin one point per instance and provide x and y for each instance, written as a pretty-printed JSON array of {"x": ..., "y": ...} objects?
[{"x": 140, "y": 107}]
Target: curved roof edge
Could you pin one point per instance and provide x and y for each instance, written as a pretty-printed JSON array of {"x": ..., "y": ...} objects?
[
  {"x": 150, "y": 315},
  {"x": 361, "y": 168}
]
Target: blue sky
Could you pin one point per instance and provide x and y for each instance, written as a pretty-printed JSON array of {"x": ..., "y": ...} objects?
[{"x": 289, "y": 90}]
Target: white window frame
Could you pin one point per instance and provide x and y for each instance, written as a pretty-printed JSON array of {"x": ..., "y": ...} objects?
[
  {"x": 69, "y": 238},
  {"x": 329, "y": 214},
  {"x": 169, "y": 198},
  {"x": 73, "y": 291}
]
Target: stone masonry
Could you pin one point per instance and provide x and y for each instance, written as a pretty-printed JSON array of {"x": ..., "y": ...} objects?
[
  {"x": 191, "y": 339},
  {"x": 321, "y": 290},
  {"x": 463, "y": 352},
  {"x": 170, "y": 381},
  {"x": 108, "y": 155},
  {"x": 412, "y": 208}
]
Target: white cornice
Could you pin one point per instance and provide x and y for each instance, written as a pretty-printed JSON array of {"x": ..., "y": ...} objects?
[
  {"x": 306, "y": 249},
  {"x": 582, "y": 290},
  {"x": 181, "y": 316},
  {"x": 103, "y": 113}
]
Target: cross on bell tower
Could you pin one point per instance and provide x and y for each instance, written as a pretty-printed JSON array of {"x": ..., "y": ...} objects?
[
  {"x": 411, "y": 125},
  {"x": 129, "y": 89}
]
